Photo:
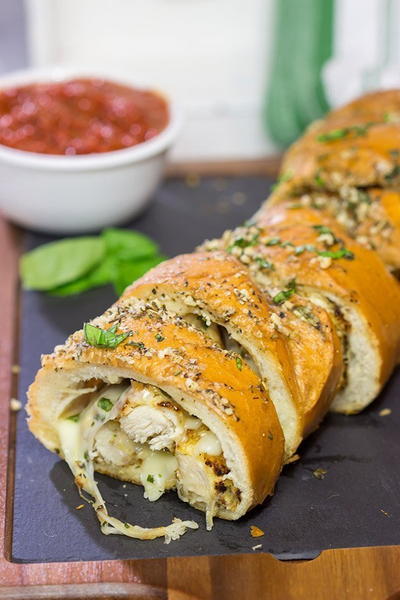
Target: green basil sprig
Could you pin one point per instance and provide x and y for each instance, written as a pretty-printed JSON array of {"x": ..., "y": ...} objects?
[{"x": 103, "y": 338}]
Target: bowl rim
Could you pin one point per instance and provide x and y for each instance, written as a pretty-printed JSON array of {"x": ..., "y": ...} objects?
[{"x": 102, "y": 160}]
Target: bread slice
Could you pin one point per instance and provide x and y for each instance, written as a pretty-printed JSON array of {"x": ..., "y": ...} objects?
[
  {"x": 299, "y": 361},
  {"x": 361, "y": 296},
  {"x": 369, "y": 216},
  {"x": 161, "y": 357},
  {"x": 356, "y": 145}
]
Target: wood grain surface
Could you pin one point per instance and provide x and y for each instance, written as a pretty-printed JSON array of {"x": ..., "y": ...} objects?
[
  {"x": 268, "y": 165},
  {"x": 348, "y": 574}
]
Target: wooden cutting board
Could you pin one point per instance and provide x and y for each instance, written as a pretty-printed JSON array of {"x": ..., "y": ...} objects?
[{"x": 348, "y": 573}]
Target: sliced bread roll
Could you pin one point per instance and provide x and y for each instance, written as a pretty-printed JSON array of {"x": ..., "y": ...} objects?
[
  {"x": 313, "y": 257},
  {"x": 370, "y": 216},
  {"x": 149, "y": 399},
  {"x": 296, "y": 354},
  {"x": 357, "y": 145}
]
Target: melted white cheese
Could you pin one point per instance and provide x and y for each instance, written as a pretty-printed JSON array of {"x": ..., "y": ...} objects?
[
  {"x": 77, "y": 441},
  {"x": 157, "y": 473},
  {"x": 208, "y": 444}
]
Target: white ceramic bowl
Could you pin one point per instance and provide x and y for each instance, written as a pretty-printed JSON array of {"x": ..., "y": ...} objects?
[{"x": 82, "y": 193}]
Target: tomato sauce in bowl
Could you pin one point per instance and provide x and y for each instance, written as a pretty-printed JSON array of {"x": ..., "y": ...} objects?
[{"x": 79, "y": 116}]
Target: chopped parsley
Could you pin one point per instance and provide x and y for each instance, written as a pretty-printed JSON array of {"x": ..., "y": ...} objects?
[
  {"x": 306, "y": 313},
  {"x": 323, "y": 229},
  {"x": 243, "y": 242},
  {"x": 395, "y": 172},
  {"x": 103, "y": 338},
  {"x": 334, "y": 134},
  {"x": 139, "y": 345},
  {"x": 318, "y": 179},
  {"x": 264, "y": 263},
  {"x": 273, "y": 242},
  {"x": 305, "y": 247},
  {"x": 286, "y": 176},
  {"x": 159, "y": 337},
  {"x": 74, "y": 418},
  {"x": 86, "y": 455},
  {"x": 363, "y": 196},
  {"x": 105, "y": 404},
  {"x": 341, "y": 253},
  {"x": 150, "y": 478},
  {"x": 284, "y": 295},
  {"x": 239, "y": 363},
  {"x": 390, "y": 117},
  {"x": 278, "y": 242},
  {"x": 338, "y": 134}
]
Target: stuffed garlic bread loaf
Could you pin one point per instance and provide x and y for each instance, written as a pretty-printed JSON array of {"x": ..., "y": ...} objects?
[
  {"x": 370, "y": 216},
  {"x": 356, "y": 146},
  {"x": 296, "y": 353},
  {"x": 347, "y": 165},
  {"x": 209, "y": 371},
  {"x": 314, "y": 258},
  {"x": 147, "y": 398}
]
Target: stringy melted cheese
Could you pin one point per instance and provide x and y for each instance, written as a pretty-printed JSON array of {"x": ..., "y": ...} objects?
[
  {"x": 77, "y": 443},
  {"x": 139, "y": 427}
]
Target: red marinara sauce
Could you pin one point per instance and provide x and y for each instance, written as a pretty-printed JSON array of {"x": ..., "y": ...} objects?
[{"x": 79, "y": 116}]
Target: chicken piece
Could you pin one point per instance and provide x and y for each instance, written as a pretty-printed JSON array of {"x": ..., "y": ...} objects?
[
  {"x": 149, "y": 416},
  {"x": 114, "y": 446},
  {"x": 194, "y": 484},
  {"x": 196, "y": 476}
]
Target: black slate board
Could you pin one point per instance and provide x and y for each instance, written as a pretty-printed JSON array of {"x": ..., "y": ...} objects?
[{"x": 356, "y": 504}]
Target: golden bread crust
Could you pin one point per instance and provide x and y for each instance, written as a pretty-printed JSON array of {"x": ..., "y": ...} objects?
[
  {"x": 363, "y": 281},
  {"x": 194, "y": 367},
  {"x": 362, "y": 147},
  {"x": 309, "y": 355}
]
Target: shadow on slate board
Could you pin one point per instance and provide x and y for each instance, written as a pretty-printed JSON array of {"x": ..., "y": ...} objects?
[{"x": 356, "y": 504}]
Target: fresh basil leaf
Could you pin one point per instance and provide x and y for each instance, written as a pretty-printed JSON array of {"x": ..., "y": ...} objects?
[
  {"x": 105, "y": 404},
  {"x": 61, "y": 262},
  {"x": 323, "y": 229},
  {"x": 126, "y": 271},
  {"x": 337, "y": 134},
  {"x": 243, "y": 242},
  {"x": 103, "y": 338},
  {"x": 334, "y": 134},
  {"x": 341, "y": 253},
  {"x": 284, "y": 295},
  {"x": 100, "y": 275},
  {"x": 128, "y": 245}
]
